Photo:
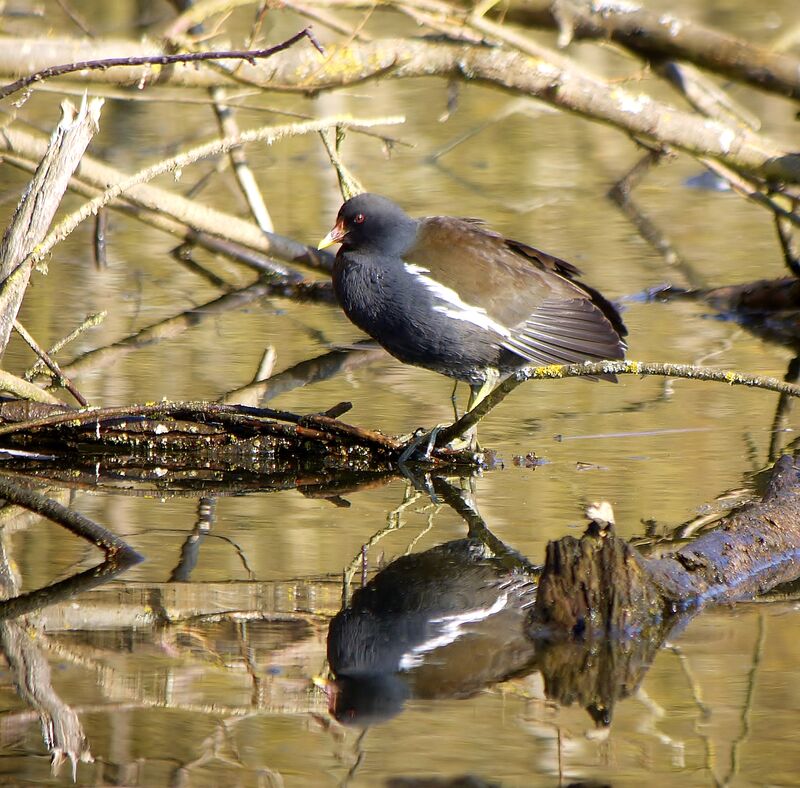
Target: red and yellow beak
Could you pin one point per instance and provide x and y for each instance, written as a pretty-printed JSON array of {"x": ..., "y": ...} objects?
[{"x": 335, "y": 236}]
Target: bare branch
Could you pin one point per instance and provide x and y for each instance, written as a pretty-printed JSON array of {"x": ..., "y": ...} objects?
[
  {"x": 654, "y": 35},
  {"x": 266, "y": 134},
  {"x": 568, "y": 88}
]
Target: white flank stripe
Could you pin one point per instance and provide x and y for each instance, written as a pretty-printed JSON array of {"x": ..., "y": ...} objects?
[{"x": 452, "y": 305}]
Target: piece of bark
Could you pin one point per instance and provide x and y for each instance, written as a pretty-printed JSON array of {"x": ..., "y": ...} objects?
[
  {"x": 603, "y": 610},
  {"x": 39, "y": 204},
  {"x": 595, "y": 586}
]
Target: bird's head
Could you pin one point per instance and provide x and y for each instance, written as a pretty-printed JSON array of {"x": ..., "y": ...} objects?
[{"x": 371, "y": 222}]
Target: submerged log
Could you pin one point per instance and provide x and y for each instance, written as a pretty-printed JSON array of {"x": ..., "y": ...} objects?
[{"x": 768, "y": 308}]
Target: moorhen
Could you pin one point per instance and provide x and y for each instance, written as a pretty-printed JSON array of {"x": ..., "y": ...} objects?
[{"x": 453, "y": 296}]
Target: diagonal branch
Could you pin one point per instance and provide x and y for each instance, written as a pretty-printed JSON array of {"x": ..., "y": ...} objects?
[
  {"x": 687, "y": 371},
  {"x": 266, "y": 134},
  {"x": 39, "y": 204}
]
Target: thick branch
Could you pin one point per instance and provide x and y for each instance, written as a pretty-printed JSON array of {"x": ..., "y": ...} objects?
[
  {"x": 654, "y": 35},
  {"x": 749, "y": 553}
]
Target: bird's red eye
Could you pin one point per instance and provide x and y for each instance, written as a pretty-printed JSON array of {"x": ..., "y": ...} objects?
[{"x": 359, "y": 218}]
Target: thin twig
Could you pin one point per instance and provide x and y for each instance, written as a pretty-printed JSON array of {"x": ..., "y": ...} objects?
[
  {"x": 241, "y": 169},
  {"x": 75, "y": 18},
  {"x": 349, "y": 185},
  {"x": 90, "y": 322},
  {"x": 50, "y": 364},
  {"x": 250, "y": 56},
  {"x": 183, "y": 254},
  {"x": 324, "y": 18}
]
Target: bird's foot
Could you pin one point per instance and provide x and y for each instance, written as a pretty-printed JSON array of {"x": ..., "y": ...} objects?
[{"x": 420, "y": 438}]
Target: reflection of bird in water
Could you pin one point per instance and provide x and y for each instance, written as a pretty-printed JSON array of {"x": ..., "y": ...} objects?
[{"x": 442, "y": 623}]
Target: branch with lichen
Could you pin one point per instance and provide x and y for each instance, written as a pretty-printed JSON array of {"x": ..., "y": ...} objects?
[{"x": 592, "y": 369}]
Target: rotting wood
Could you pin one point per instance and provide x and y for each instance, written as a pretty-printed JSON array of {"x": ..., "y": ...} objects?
[
  {"x": 603, "y": 610},
  {"x": 203, "y": 429},
  {"x": 599, "y": 586}
]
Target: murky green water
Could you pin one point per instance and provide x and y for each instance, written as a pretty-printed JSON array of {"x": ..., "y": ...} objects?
[{"x": 208, "y": 682}]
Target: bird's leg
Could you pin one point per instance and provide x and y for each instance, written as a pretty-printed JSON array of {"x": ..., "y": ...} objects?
[
  {"x": 477, "y": 393},
  {"x": 454, "y": 401},
  {"x": 468, "y": 441}
]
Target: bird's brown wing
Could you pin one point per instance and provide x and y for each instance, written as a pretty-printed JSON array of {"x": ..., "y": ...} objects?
[{"x": 549, "y": 317}]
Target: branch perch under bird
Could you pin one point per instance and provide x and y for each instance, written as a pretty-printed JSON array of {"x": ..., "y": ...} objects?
[{"x": 592, "y": 369}]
